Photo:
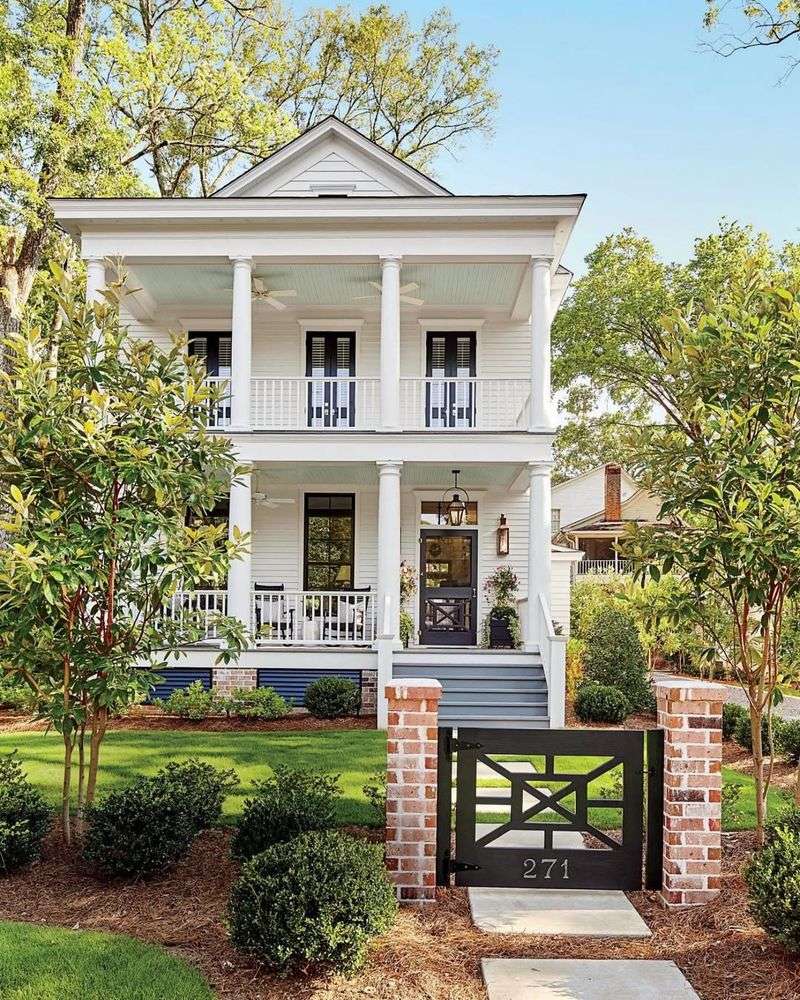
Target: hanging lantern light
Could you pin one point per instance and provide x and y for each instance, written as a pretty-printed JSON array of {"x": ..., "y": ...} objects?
[
  {"x": 455, "y": 507},
  {"x": 503, "y": 537}
]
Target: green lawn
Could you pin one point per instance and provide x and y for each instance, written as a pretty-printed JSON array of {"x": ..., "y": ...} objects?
[
  {"x": 355, "y": 754},
  {"x": 49, "y": 963}
]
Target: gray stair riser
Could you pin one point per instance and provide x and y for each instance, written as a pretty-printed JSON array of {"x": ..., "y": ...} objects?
[
  {"x": 493, "y": 711},
  {"x": 470, "y": 655},
  {"x": 492, "y": 698},
  {"x": 458, "y": 685},
  {"x": 466, "y": 673}
]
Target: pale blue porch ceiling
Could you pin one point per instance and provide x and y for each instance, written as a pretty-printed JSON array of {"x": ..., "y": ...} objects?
[
  {"x": 415, "y": 475},
  {"x": 493, "y": 285}
]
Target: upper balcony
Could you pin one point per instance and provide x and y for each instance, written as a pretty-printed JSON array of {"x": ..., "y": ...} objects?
[{"x": 347, "y": 404}]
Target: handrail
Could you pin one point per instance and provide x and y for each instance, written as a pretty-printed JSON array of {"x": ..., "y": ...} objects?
[
  {"x": 552, "y": 648},
  {"x": 313, "y": 617}
]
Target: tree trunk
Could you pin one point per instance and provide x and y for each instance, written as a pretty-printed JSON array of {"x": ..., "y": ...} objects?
[
  {"x": 81, "y": 775},
  {"x": 66, "y": 788},
  {"x": 758, "y": 772},
  {"x": 99, "y": 723}
]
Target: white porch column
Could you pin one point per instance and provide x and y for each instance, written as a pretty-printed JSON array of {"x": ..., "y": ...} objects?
[
  {"x": 388, "y": 579},
  {"x": 542, "y": 416},
  {"x": 241, "y": 343},
  {"x": 95, "y": 278},
  {"x": 240, "y": 516},
  {"x": 389, "y": 547},
  {"x": 390, "y": 344},
  {"x": 539, "y": 546}
]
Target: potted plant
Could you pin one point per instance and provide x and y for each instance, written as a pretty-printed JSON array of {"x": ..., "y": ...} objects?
[
  {"x": 501, "y": 627},
  {"x": 408, "y": 587}
]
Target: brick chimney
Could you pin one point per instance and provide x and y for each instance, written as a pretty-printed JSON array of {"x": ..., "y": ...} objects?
[{"x": 613, "y": 499}]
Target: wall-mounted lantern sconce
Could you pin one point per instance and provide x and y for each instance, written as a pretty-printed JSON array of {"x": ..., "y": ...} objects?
[{"x": 503, "y": 537}]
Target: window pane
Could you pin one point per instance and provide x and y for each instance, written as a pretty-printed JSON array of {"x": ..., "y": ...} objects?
[
  {"x": 329, "y": 541},
  {"x": 434, "y": 514}
]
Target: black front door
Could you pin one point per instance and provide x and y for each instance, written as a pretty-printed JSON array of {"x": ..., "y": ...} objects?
[
  {"x": 331, "y": 366},
  {"x": 448, "y": 588},
  {"x": 450, "y": 368}
]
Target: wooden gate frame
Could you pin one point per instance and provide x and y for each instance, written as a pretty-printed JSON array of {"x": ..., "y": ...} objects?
[{"x": 621, "y": 869}]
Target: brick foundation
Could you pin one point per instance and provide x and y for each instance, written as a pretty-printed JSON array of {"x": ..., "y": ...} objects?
[
  {"x": 369, "y": 692},
  {"x": 411, "y": 788},
  {"x": 227, "y": 679},
  {"x": 690, "y": 713}
]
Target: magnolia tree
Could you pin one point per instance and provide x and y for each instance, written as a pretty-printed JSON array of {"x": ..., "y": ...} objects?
[
  {"x": 103, "y": 451},
  {"x": 726, "y": 463}
]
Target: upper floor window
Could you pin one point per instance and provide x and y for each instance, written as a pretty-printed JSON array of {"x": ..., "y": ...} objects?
[
  {"x": 215, "y": 350},
  {"x": 555, "y": 520}
]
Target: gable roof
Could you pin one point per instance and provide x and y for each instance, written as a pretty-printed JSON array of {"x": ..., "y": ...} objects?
[{"x": 312, "y": 163}]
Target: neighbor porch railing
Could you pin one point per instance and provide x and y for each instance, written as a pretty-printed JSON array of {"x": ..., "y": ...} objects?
[
  {"x": 482, "y": 404},
  {"x": 601, "y": 567},
  {"x": 317, "y": 403},
  {"x": 201, "y": 607},
  {"x": 313, "y": 617}
]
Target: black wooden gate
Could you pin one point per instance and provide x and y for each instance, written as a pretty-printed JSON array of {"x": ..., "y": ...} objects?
[{"x": 550, "y": 808}]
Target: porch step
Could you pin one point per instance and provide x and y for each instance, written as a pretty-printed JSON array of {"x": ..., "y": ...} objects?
[
  {"x": 483, "y": 688},
  {"x": 468, "y": 672}
]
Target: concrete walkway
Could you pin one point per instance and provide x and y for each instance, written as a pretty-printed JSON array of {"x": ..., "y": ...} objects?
[
  {"x": 789, "y": 708},
  {"x": 577, "y": 912},
  {"x": 584, "y": 979}
]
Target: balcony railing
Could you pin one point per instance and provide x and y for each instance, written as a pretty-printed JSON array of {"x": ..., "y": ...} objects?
[
  {"x": 426, "y": 404},
  {"x": 602, "y": 567},
  {"x": 200, "y": 607},
  {"x": 313, "y": 617},
  {"x": 448, "y": 404},
  {"x": 317, "y": 403},
  {"x": 219, "y": 413}
]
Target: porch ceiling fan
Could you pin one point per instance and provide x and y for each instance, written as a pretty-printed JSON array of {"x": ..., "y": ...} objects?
[
  {"x": 412, "y": 286},
  {"x": 271, "y": 503},
  {"x": 272, "y": 296}
]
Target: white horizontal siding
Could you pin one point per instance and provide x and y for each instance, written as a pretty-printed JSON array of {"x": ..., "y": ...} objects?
[
  {"x": 332, "y": 169},
  {"x": 159, "y": 333}
]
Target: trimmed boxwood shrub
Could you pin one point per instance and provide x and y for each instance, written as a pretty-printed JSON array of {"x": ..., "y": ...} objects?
[
  {"x": 289, "y": 803},
  {"x": 773, "y": 880},
  {"x": 788, "y": 742},
  {"x": 732, "y": 714},
  {"x": 151, "y": 824},
  {"x": 787, "y": 819},
  {"x": 24, "y": 816},
  {"x": 256, "y": 703},
  {"x": 332, "y": 698},
  {"x": 743, "y": 733},
  {"x": 614, "y": 655},
  {"x": 193, "y": 702},
  {"x": 601, "y": 703},
  {"x": 317, "y": 899}
]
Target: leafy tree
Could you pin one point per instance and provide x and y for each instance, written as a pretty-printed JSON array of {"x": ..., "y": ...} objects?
[
  {"x": 103, "y": 450},
  {"x": 608, "y": 339},
  {"x": 100, "y": 96},
  {"x": 726, "y": 463},
  {"x": 765, "y": 25}
]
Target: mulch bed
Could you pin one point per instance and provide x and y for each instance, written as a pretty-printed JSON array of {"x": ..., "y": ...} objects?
[{"x": 429, "y": 955}]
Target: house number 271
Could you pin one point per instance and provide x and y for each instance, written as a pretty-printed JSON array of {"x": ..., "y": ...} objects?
[{"x": 543, "y": 868}]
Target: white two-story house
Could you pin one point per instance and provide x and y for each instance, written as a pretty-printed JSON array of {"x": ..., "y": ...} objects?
[{"x": 375, "y": 332}]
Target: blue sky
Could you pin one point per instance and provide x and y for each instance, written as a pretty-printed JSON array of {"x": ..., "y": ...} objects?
[{"x": 617, "y": 99}]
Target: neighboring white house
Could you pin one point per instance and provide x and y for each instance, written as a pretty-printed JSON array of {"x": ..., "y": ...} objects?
[
  {"x": 591, "y": 512},
  {"x": 376, "y": 332}
]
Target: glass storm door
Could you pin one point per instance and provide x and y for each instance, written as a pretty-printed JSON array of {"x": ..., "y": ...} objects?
[
  {"x": 450, "y": 368},
  {"x": 331, "y": 366},
  {"x": 448, "y": 592}
]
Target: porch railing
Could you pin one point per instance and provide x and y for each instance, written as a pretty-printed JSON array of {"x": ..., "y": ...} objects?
[
  {"x": 201, "y": 607},
  {"x": 318, "y": 403},
  {"x": 314, "y": 617},
  {"x": 482, "y": 404},
  {"x": 601, "y": 567},
  {"x": 219, "y": 413}
]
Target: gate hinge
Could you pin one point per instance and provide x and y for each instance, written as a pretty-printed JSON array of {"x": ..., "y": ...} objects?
[
  {"x": 461, "y": 866},
  {"x": 457, "y": 744}
]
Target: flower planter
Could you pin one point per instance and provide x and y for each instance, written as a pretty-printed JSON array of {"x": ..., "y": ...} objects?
[{"x": 500, "y": 635}]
